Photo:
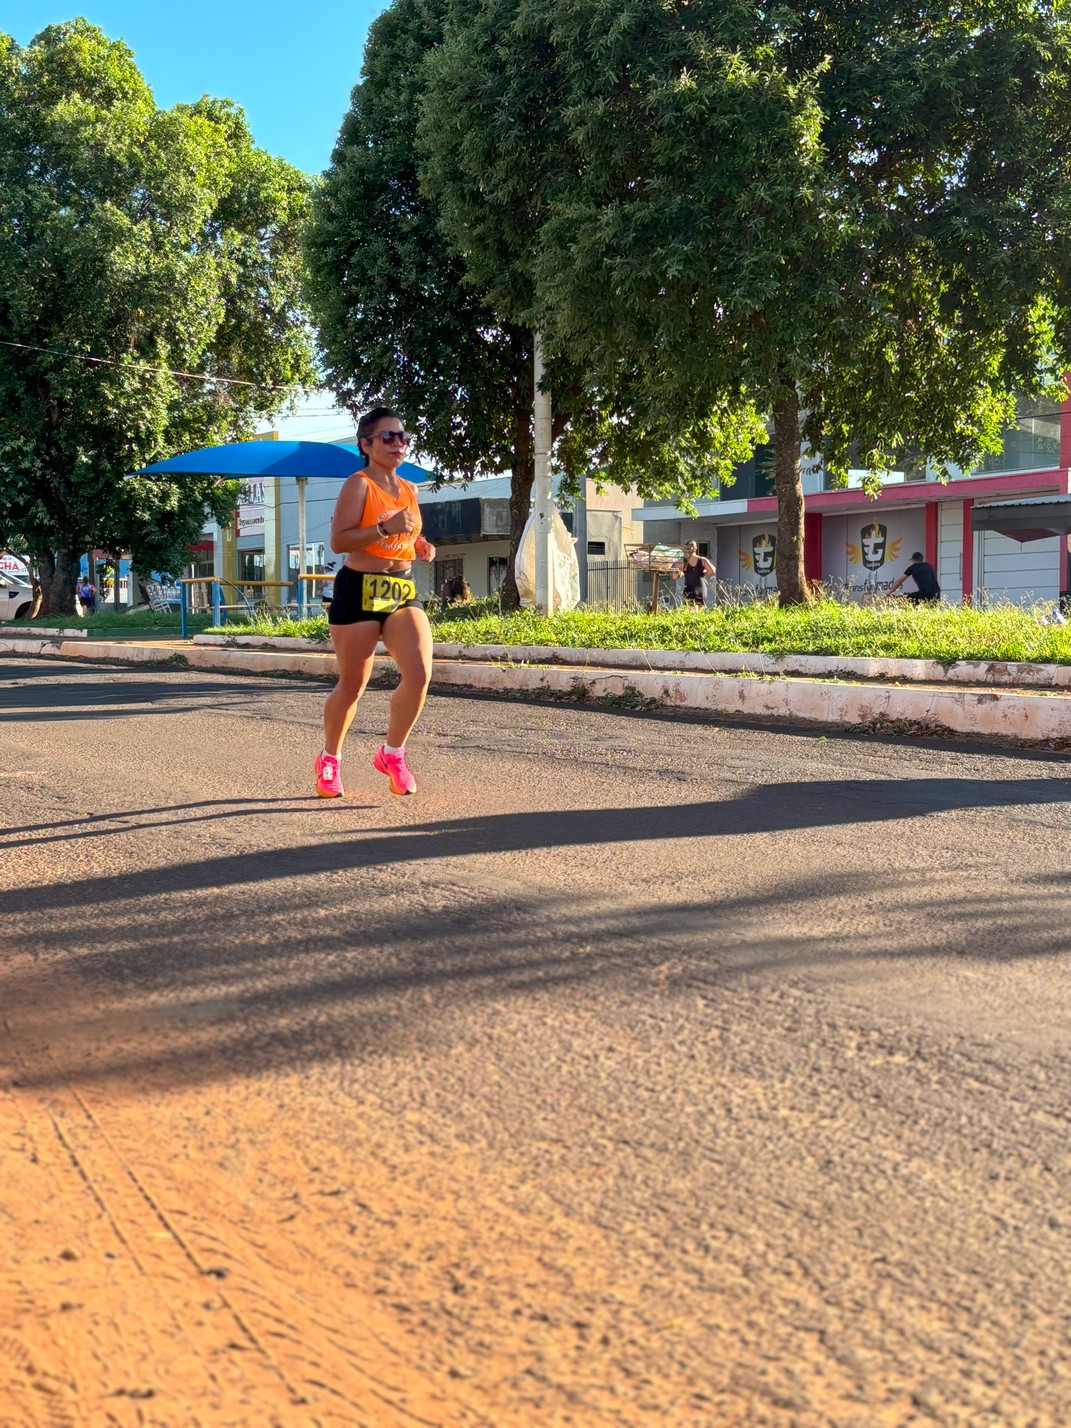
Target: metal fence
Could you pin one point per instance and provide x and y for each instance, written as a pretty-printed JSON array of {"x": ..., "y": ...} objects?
[{"x": 623, "y": 587}]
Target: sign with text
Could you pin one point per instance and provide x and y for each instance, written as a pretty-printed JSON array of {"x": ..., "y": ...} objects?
[
  {"x": 12, "y": 565},
  {"x": 863, "y": 555},
  {"x": 251, "y": 509}
]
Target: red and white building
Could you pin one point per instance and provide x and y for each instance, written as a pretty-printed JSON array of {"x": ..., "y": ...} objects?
[{"x": 998, "y": 533}]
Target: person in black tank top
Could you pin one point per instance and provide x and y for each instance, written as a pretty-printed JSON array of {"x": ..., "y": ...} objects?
[{"x": 696, "y": 570}]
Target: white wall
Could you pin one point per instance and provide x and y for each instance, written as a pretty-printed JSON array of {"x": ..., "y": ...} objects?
[
  {"x": 950, "y": 550},
  {"x": 1018, "y": 574},
  {"x": 607, "y": 527},
  {"x": 476, "y": 557}
]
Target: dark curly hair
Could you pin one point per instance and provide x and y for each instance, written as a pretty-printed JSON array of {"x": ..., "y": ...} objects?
[{"x": 368, "y": 422}]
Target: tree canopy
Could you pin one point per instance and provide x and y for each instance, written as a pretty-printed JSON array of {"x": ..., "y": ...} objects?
[
  {"x": 136, "y": 244},
  {"x": 396, "y": 320},
  {"x": 851, "y": 217},
  {"x": 405, "y": 315}
]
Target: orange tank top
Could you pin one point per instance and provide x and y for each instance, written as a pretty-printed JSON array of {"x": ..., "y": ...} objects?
[{"x": 377, "y": 506}]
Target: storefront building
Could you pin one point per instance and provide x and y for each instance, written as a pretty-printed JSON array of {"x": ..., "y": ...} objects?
[
  {"x": 469, "y": 525},
  {"x": 858, "y": 546}
]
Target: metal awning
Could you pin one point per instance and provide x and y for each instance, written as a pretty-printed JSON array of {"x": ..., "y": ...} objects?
[{"x": 1035, "y": 518}]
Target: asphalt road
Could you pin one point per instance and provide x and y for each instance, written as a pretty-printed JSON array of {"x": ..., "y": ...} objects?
[{"x": 639, "y": 1070}]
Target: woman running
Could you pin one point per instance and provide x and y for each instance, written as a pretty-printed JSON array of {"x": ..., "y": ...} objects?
[{"x": 376, "y": 525}]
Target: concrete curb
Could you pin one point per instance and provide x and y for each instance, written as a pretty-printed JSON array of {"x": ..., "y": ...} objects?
[
  {"x": 22, "y": 644},
  {"x": 1038, "y": 717},
  {"x": 1002, "y": 714},
  {"x": 917, "y": 671},
  {"x": 37, "y": 632}
]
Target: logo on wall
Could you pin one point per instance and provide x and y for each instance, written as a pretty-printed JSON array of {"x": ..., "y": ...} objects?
[
  {"x": 761, "y": 558},
  {"x": 873, "y": 550}
]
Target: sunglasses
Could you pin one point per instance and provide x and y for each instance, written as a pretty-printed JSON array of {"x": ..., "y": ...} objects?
[{"x": 391, "y": 436}]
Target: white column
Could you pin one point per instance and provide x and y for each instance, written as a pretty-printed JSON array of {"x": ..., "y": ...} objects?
[{"x": 544, "y": 505}]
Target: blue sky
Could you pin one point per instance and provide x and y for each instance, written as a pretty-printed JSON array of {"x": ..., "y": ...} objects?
[{"x": 291, "y": 67}]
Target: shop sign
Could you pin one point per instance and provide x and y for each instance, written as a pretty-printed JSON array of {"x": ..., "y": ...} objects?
[
  {"x": 251, "y": 509},
  {"x": 12, "y": 565}
]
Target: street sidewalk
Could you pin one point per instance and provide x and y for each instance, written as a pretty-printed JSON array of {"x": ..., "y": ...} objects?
[{"x": 1025, "y": 703}]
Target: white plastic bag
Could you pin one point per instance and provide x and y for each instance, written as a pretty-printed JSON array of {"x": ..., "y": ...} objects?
[{"x": 564, "y": 566}]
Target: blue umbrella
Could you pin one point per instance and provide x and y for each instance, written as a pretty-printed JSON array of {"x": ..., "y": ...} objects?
[{"x": 303, "y": 460}]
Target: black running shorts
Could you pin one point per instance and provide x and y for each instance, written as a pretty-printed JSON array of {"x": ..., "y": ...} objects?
[{"x": 360, "y": 596}]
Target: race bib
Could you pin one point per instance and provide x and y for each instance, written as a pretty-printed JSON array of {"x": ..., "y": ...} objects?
[{"x": 384, "y": 593}]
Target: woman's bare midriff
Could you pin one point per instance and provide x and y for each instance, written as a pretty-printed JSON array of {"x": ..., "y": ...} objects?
[{"x": 376, "y": 565}]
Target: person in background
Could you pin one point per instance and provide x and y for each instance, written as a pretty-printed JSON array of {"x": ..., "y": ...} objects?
[
  {"x": 925, "y": 577},
  {"x": 456, "y": 591},
  {"x": 86, "y": 595},
  {"x": 697, "y": 570}
]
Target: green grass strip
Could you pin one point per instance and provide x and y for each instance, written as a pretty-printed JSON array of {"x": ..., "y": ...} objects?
[{"x": 894, "y": 630}]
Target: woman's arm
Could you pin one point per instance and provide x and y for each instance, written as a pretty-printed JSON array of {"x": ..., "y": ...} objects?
[{"x": 708, "y": 569}]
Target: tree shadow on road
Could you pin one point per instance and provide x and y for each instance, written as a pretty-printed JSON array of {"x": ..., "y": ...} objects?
[
  {"x": 72, "y": 698},
  {"x": 768, "y": 808},
  {"x": 136, "y": 820},
  {"x": 288, "y": 957},
  {"x": 140, "y": 997}
]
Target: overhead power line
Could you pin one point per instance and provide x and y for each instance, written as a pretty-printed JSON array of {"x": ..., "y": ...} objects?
[{"x": 142, "y": 367}]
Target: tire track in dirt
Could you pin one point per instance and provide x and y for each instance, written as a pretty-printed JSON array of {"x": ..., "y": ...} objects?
[
  {"x": 194, "y": 1316},
  {"x": 29, "y": 1394}
]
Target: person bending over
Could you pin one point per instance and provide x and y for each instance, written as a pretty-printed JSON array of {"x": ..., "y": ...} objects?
[{"x": 925, "y": 578}]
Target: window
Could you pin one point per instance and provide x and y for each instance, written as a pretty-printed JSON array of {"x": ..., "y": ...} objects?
[
  {"x": 445, "y": 570},
  {"x": 250, "y": 566},
  {"x": 497, "y": 565},
  {"x": 314, "y": 558},
  {"x": 596, "y": 547},
  {"x": 314, "y": 565},
  {"x": 703, "y": 548}
]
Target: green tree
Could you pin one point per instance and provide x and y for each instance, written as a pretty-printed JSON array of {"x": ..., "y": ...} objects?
[
  {"x": 396, "y": 321},
  {"x": 142, "y": 239},
  {"x": 403, "y": 316},
  {"x": 856, "y": 212}
]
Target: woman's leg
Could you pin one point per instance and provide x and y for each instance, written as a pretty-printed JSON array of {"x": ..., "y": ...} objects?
[
  {"x": 355, "y": 647},
  {"x": 407, "y": 636}
]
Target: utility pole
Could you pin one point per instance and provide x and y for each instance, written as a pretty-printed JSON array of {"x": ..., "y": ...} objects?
[
  {"x": 580, "y": 537},
  {"x": 544, "y": 504}
]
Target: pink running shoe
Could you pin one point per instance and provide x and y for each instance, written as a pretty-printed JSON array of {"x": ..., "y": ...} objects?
[
  {"x": 329, "y": 776},
  {"x": 394, "y": 766}
]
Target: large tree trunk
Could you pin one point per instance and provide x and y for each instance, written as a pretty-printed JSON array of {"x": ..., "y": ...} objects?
[
  {"x": 59, "y": 575},
  {"x": 791, "y": 581},
  {"x": 522, "y": 475}
]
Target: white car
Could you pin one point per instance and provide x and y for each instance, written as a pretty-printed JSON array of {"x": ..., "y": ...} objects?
[{"x": 16, "y": 596}]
